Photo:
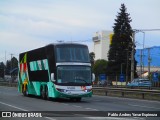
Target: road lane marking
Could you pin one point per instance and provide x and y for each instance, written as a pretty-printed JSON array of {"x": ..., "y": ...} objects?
[
  {"x": 131, "y": 99},
  {"x": 77, "y": 106},
  {"x": 91, "y": 109},
  {"x": 86, "y": 99},
  {"x": 65, "y": 104},
  {"x": 22, "y": 109},
  {"x": 97, "y": 100},
  {"x": 113, "y": 118},
  {"x": 50, "y": 118},
  {"x": 143, "y": 106},
  {"x": 13, "y": 106}
]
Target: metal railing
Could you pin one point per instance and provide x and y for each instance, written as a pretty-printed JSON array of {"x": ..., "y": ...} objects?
[{"x": 120, "y": 91}]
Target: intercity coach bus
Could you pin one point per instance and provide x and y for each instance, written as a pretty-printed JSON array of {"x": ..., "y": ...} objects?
[{"x": 61, "y": 70}]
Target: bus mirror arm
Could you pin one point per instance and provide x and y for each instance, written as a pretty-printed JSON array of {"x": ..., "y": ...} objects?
[
  {"x": 52, "y": 77},
  {"x": 93, "y": 77},
  {"x": 53, "y": 80}
]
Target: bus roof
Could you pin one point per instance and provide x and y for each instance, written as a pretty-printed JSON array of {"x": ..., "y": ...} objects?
[{"x": 55, "y": 44}]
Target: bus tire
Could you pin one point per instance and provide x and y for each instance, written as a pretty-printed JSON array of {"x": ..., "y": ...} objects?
[
  {"x": 78, "y": 99},
  {"x": 47, "y": 95},
  {"x": 25, "y": 92},
  {"x": 43, "y": 92},
  {"x": 71, "y": 99}
]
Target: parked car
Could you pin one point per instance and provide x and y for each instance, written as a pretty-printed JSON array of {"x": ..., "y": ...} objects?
[{"x": 140, "y": 82}]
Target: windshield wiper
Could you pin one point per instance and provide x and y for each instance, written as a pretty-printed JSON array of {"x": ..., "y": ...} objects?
[
  {"x": 70, "y": 82},
  {"x": 82, "y": 80}
]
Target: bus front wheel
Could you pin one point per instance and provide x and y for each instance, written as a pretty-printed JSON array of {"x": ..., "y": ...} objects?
[{"x": 76, "y": 99}]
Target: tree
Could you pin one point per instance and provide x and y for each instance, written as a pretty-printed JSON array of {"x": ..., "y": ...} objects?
[
  {"x": 121, "y": 45},
  {"x": 11, "y": 64},
  {"x": 100, "y": 67},
  {"x": 8, "y": 67},
  {"x": 2, "y": 66},
  {"x": 14, "y": 63}
]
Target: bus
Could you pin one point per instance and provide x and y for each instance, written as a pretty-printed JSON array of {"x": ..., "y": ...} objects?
[{"x": 61, "y": 70}]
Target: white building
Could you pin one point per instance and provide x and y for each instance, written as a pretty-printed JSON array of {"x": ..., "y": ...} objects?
[{"x": 101, "y": 41}]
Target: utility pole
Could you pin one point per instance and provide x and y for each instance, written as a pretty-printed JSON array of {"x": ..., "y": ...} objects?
[
  {"x": 141, "y": 63},
  {"x": 149, "y": 61},
  {"x": 143, "y": 51},
  {"x": 11, "y": 60},
  {"x": 127, "y": 69},
  {"x": 11, "y": 67},
  {"x": 4, "y": 64},
  {"x": 132, "y": 55},
  {"x": 5, "y": 58},
  {"x": 122, "y": 68}
]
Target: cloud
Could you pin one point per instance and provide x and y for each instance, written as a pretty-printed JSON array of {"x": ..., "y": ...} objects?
[
  {"x": 30, "y": 24},
  {"x": 59, "y": 14},
  {"x": 19, "y": 41}
]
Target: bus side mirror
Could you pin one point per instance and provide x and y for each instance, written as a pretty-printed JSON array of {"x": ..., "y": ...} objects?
[
  {"x": 93, "y": 77},
  {"x": 52, "y": 77}
]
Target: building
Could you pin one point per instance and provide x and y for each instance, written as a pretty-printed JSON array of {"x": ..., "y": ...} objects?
[
  {"x": 101, "y": 41},
  {"x": 148, "y": 59},
  {"x": 152, "y": 53}
]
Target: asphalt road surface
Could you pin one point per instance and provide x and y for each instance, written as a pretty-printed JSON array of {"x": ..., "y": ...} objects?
[{"x": 12, "y": 101}]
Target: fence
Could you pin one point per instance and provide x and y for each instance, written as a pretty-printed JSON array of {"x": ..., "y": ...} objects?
[
  {"x": 129, "y": 93},
  {"x": 139, "y": 93}
]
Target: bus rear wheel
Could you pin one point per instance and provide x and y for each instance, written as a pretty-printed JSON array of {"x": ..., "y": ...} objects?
[
  {"x": 25, "y": 90},
  {"x": 43, "y": 92},
  {"x": 47, "y": 94}
]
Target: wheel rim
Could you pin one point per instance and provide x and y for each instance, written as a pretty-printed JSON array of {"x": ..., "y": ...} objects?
[{"x": 27, "y": 92}]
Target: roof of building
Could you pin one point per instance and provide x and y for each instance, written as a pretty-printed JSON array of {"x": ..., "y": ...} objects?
[{"x": 154, "y": 55}]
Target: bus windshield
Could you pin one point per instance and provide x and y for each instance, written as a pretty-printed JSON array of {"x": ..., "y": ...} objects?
[
  {"x": 72, "y": 54},
  {"x": 74, "y": 75}
]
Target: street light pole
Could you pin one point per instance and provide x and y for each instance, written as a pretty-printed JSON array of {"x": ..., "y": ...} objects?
[
  {"x": 127, "y": 69},
  {"x": 149, "y": 60},
  {"x": 142, "y": 55},
  {"x": 122, "y": 68},
  {"x": 143, "y": 50},
  {"x": 132, "y": 55}
]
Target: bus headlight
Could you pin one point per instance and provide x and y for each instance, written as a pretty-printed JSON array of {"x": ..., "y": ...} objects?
[
  {"x": 61, "y": 90},
  {"x": 89, "y": 90}
]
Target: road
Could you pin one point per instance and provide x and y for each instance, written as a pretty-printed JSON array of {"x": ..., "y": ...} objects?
[{"x": 11, "y": 100}]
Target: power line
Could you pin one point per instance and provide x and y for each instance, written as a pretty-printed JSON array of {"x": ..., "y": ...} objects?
[
  {"x": 89, "y": 40},
  {"x": 145, "y": 30},
  {"x": 133, "y": 40}
]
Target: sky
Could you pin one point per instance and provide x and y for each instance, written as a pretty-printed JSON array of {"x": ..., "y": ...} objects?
[{"x": 30, "y": 24}]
